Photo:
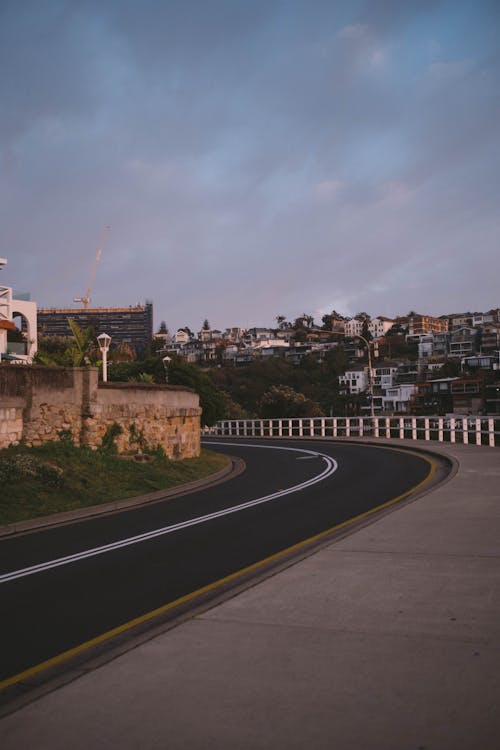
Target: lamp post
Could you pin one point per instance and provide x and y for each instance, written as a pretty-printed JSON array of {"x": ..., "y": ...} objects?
[
  {"x": 370, "y": 369},
  {"x": 104, "y": 340},
  {"x": 370, "y": 373},
  {"x": 166, "y": 361}
]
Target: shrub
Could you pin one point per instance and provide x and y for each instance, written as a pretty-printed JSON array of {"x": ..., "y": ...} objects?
[
  {"x": 137, "y": 438},
  {"x": 23, "y": 465},
  {"x": 108, "y": 439}
]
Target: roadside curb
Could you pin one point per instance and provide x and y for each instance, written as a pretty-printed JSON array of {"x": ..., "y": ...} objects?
[{"x": 233, "y": 468}]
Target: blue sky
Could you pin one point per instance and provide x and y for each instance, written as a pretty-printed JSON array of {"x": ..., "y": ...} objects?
[{"x": 252, "y": 158}]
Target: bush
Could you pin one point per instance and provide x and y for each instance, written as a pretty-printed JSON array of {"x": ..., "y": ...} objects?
[
  {"x": 281, "y": 401},
  {"x": 109, "y": 437},
  {"x": 22, "y": 466}
]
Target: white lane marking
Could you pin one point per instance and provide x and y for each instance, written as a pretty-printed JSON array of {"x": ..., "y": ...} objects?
[{"x": 331, "y": 466}]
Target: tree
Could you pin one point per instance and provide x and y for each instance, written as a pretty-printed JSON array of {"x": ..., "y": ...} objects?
[
  {"x": 300, "y": 335},
  {"x": 303, "y": 321},
  {"x": 53, "y": 346},
  {"x": 337, "y": 315},
  {"x": 206, "y": 325},
  {"x": 179, "y": 373},
  {"x": 450, "y": 369},
  {"x": 365, "y": 331},
  {"x": 281, "y": 401},
  {"x": 124, "y": 352},
  {"x": 83, "y": 349},
  {"x": 163, "y": 327},
  {"x": 79, "y": 350}
]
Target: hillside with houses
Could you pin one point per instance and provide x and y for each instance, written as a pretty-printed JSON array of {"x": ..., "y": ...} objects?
[
  {"x": 415, "y": 363},
  {"x": 360, "y": 365}
]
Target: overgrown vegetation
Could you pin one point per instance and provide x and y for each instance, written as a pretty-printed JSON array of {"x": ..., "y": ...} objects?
[
  {"x": 212, "y": 400},
  {"x": 276, "y": 387},
  {"x": 77, "y": 351},
  {"x": 58, "y": 476},
  {"x": 108, "y": 439}
]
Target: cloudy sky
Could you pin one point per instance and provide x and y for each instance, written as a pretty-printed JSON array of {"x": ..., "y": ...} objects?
[{"x": 252, "y": 157}]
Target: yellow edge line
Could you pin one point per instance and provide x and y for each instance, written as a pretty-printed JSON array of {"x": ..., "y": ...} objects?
[{"x": 55, "y": 660}]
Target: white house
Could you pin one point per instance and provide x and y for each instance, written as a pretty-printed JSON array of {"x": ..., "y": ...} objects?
[
  {"x": 354, "y": 327},
  {"x": 355, "y": 380},
  {"x": 378, "y": 327},
  {"x": 181, "y": 337},
  {"x": 385, "y": 375},
  {"x": 398, "y": 399},
  {"x": 11, "y": 310}
]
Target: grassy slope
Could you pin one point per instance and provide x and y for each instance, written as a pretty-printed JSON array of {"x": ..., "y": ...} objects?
[{"x": 30, "y": 486}]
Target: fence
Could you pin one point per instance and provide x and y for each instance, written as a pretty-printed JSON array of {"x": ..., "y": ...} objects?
[{"x": 466, "y": 430}]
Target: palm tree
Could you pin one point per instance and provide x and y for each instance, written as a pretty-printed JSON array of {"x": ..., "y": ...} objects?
[{"x": 81, "y": 350}]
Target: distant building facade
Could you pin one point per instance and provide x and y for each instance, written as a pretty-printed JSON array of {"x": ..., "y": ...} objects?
[
  {"x": 23, "y": 312},
  {"x": 125, "y": 325}
]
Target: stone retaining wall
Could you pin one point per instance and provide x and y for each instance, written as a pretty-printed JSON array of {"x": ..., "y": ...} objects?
[{"x": 38, "y": 404}]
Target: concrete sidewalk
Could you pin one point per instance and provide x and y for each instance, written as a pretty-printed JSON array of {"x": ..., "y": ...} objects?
[{"x": 387, "y": 639}]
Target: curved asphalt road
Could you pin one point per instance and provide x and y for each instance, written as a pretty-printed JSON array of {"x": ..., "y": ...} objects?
[{"x": 63, "y": 587}]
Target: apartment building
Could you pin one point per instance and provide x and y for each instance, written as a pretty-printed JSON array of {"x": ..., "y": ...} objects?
[
  {"x": 433, "y": 345},
  {"x": 418, "y": 324},
  {"x": 379, "y": 326},
  {"x": 489, "y": 338},
  {"x": 399, "y": 398},
  {"x": 355, "y": 380},
  {"x": 130, "y": 325},
  {"x": 461, "y": 320},
  {"x": 354, "y": 327},
  {"x": 464, "y": 342},
  {"x": 384, "y": 375}
]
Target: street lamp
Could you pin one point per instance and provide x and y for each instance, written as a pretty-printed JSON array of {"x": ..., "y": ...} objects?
[
  {"x": 104, "y": 340},
  {"x": 166, "y": 361},
  {"x": 370, "y": 372},
  {"x": 370, "y": 369}
]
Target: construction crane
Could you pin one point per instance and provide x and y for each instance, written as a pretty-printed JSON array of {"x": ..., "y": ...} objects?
[{"x": 85, "y": 298}]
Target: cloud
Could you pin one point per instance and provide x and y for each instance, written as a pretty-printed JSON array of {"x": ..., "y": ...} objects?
[
  {"x": 251, "y": 158},
  {"x": 444, "y": 73},
  {"x": 353, "y": 31},
  {"x": 395, "y": 193},
  {"x": 328, "y": 189}
]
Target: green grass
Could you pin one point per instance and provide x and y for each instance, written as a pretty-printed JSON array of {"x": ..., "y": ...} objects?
[{"x": 58, "y": 476}]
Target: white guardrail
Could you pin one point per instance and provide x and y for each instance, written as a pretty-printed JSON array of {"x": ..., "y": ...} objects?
[{"x": 466, "y": 430}]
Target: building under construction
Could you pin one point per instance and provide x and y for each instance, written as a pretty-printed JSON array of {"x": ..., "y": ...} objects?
[{"x": 130, "y": 325}]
